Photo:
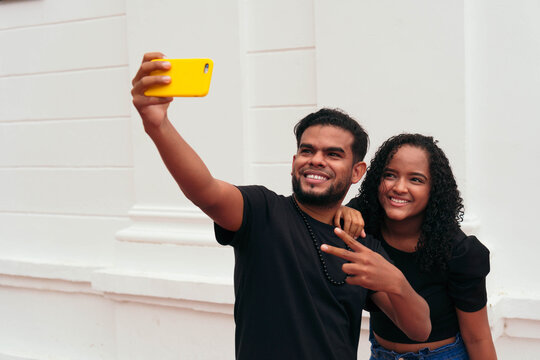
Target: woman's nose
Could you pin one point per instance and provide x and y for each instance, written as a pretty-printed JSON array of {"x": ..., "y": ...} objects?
[{"x": 400, "y": 186}]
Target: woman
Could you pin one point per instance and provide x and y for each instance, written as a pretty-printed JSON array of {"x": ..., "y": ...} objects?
[{"x": 410, "y": 201}]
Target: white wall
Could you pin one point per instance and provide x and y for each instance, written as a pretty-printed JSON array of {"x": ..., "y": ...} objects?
[
  {"x": 103, "y": 258},
  {"x": 66, "y": 179},
  {"x": 503, "y": 81}
]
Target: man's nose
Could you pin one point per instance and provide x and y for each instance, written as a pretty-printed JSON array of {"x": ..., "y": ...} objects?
[{"x": 318, "y": 159}]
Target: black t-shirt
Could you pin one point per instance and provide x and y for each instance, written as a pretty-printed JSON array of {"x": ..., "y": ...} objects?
[
  {"x": 462, "y": 286},
  {"x": 285, "y": 308}
]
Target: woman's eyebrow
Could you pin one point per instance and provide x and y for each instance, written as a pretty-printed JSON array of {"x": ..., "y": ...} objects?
[{"x": 419, "y": 174}]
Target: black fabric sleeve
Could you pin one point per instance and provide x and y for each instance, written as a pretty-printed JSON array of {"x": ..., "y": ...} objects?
[
  {"x": 468, "y": 269},
  {"x": 256, "y": 199},
  {"x": 227, "y": 237}
]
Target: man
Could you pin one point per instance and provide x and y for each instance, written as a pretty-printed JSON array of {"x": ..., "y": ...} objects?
[{"x": 292, "y": 300}]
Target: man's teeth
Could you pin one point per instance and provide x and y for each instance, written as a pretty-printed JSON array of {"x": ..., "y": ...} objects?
[
  {"x": 399, "y": 201},
  {"x": 316, "y": 177}
]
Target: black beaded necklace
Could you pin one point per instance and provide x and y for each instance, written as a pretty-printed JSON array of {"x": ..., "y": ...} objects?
[{"x": 318, "y": 248}]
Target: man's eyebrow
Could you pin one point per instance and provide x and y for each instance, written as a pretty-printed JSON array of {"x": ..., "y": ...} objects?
[
  {"x": 328, "y": 149},
  {"x": 335, "y": 149}
]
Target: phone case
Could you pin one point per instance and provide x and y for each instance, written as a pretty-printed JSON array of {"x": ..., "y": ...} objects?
[{"x": 189, "y": 77}]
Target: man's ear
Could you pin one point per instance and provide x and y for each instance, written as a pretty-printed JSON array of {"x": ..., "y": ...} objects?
[
  {"x": 292, "y": 167},
  {"x": 358, "y": 171}
]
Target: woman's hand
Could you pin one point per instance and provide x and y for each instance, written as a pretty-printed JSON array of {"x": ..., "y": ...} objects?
[
  {"x": 365, "y": 267},
  {"x": 353, "y": 222},
  {"x": 394, "y": 295}
]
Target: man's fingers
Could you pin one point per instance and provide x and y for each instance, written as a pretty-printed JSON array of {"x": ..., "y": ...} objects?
[
  {"x": 147, "y": 67},
  {"x": 141, "y": 100},
  {"x": 152, "y": 55},
  {"x": 141, "y": 86}
]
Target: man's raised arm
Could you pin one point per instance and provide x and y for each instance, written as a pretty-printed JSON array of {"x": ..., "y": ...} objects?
[{"x": 221, "y": 201}]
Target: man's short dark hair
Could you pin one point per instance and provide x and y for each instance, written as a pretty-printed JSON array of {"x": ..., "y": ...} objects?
[{"x": 337, "y": 118}]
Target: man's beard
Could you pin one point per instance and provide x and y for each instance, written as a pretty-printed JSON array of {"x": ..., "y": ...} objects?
[{"x": 330, "y": 197}]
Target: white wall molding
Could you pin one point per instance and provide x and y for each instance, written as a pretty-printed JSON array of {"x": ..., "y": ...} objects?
[
  {"x": 202, "y": 293},
  {"x": 516, "y": 316},
  {"x": 47, "y": 270},
  {"x": 208, "y": 307},
  {"x": 209, "y": 294},
  {"x": 6, "y": 356},
  {"x": 42, "y": 284},
  {"x": 168, "y": 225},
  {"x": 164, "y": 285}
]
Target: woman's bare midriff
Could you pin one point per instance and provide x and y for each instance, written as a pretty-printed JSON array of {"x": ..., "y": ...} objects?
[{"x": 404, "y": 348}]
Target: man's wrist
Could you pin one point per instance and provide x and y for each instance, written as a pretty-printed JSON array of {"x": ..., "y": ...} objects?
[{"x": 155, "y": 129}]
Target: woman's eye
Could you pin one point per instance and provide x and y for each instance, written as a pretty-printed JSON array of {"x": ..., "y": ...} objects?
[
  {"x": 388, "y": 176},
  {"x": 417, "y": 180}
]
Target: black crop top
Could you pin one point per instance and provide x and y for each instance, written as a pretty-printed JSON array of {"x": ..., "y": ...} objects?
[{"x": 462, "y": 286}]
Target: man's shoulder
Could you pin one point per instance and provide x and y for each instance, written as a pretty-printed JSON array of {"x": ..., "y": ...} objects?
[
  {"x": 262, "y": 207},
  {"x": 254, "y": 188},
  {"x": 259, "y": 193},
  {"x": 371, "y": 242}
]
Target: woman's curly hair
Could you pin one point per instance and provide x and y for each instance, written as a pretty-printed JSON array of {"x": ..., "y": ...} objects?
[{"x": 443, "y": 212}]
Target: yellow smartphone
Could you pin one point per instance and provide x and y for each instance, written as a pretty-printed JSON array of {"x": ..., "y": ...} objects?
[{"x": 189, "y": 77}]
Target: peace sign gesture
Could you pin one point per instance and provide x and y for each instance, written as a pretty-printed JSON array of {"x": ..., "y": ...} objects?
[
  {"x": 366, "y": 267},
  {"x": 394, "y": 295}
]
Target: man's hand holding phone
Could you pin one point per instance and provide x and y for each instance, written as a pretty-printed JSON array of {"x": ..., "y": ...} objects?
[
  {"x": 159, "y": 80},
  {"x": 189, "y": 78},
  {"x": 153, "y": 109}
]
